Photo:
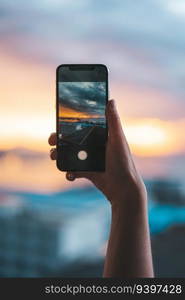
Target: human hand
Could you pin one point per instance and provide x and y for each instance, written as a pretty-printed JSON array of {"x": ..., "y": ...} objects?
[{"x": 120, "y": 180}]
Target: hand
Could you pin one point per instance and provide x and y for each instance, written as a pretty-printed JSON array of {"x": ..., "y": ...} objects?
[
  {"x": 121, "y": 179},
  {"x": 129, "y": 250}
]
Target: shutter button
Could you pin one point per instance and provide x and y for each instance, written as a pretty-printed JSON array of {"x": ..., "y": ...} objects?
[{"x": 82, "y": 155}]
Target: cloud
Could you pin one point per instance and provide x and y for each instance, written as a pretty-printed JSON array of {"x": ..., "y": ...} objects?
[
  {"x": 87, "y": 97},
  {"x": 142, "y": 42}
]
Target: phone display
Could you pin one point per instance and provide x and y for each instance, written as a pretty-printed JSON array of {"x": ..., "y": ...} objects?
[{"x": 82, "y": 95}]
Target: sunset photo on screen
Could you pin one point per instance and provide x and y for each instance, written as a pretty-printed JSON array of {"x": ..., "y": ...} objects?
[{"x": 82, "y": 113}]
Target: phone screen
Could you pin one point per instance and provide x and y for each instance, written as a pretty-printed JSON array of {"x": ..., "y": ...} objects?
[{"x": 81, "y": 122}]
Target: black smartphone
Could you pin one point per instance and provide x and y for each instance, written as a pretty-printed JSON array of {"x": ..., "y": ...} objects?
[{"x": 81, "y": 99}]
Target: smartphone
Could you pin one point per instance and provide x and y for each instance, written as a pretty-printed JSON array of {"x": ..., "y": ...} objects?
[{"x": 81, "y": 99}]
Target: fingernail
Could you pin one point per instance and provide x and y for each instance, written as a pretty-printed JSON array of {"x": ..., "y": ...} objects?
[{"x": 70, "y": 176}]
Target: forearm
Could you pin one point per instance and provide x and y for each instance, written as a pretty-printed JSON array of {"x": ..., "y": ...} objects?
[{"x": 129, "y": 249}]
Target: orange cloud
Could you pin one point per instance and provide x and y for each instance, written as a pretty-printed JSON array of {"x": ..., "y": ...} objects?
[{"x": 65, "y": 112}]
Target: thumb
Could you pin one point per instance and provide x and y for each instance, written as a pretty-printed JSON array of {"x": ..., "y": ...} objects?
[
  {"x": 116, "y": 134},
  {"x": 114, "y": 122}
]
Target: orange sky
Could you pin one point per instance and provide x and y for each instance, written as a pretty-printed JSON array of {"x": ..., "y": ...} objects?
[
  {"x": 146, "y": 74},
  {"x": 67, "y": 112},
  {"x": 27, "y": 117},
  {"x": 27, "y": 101}
]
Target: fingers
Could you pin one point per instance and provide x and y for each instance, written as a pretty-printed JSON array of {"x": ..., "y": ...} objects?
[
  {"x": 52, "y": 140},
  {"x": 70, "y": 176},
  {"x": 53, "y": 154},
  {"x": 73, "y": 175}
]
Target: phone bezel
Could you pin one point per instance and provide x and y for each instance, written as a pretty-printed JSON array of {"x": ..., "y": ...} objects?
[{"x": 57, "y": 103}]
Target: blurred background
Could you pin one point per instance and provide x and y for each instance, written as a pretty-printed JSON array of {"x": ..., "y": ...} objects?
[{"x": 52, "y": 227}]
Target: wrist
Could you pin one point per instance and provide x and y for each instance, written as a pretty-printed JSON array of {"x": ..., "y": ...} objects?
[{"x": 129, "y": 204}]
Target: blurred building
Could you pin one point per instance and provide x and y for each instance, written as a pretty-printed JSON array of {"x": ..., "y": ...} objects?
[
  {"x": 168, "y": 250},
  {"x": 167, "y": 191},
  {"x": 30, "y": 241},
  {"x": 45, "y": 234},
  {"x": 65, "y": 233}
]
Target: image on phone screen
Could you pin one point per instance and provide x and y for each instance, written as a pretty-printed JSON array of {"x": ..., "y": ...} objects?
[{"x": 82, "y": 128}]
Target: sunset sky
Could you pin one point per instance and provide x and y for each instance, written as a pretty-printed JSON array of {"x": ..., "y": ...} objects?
[
  {"x": 141, "y": 42},
  {"x": 82, "y": 99}
]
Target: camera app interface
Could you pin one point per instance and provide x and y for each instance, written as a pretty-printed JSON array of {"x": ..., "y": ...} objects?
[{"x": 82, "y": 123}]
